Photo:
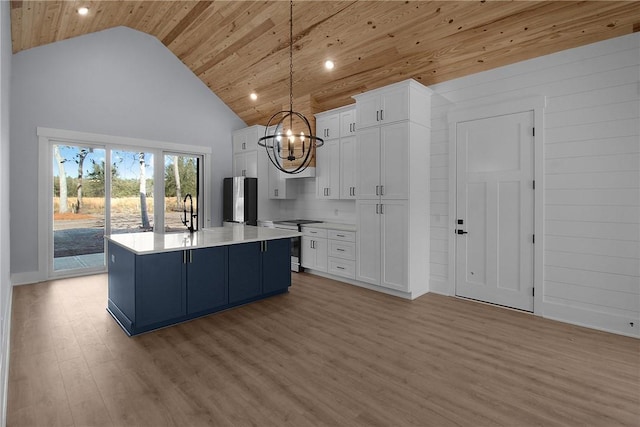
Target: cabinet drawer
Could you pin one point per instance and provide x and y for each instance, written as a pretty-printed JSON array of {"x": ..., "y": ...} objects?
[
  {"x": 342, "y": 267},
  {"x": 347, "y": 236},
  {"x": 344, "y": 250},
  {"x": 314, "y": 232}
]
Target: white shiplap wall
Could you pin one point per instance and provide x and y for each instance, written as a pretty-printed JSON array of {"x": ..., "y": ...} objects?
[{"x": 591, "y": 267}]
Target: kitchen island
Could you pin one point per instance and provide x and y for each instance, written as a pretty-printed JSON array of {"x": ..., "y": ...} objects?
[{"x": 159, "y": 279}]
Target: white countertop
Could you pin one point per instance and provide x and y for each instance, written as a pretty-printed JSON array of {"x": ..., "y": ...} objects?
[
  {"x": 150, "y": 243},
  {"x": 332, "y": 226}
]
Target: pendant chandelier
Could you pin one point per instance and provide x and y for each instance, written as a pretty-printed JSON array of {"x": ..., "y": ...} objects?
[{"x": 288, "y": 138}]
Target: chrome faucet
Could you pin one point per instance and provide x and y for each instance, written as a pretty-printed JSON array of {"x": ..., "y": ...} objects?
[{"x": 189, "y": 224}]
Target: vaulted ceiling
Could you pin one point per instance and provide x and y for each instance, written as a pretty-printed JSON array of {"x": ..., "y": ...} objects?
[{"x": 239, "y": 47}]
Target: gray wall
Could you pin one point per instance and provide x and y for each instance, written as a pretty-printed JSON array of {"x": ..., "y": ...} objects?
[{"x": 117, "y": 82}]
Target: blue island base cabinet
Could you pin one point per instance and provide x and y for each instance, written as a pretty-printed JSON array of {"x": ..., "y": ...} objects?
[{"x": 151, "y": 291}]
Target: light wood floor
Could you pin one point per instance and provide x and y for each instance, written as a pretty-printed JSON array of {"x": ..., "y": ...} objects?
[{"x": 325, "y": 354}]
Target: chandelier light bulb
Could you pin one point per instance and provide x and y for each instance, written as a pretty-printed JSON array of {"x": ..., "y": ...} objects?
[
  {"x": 253, "y": 96},
  {"x": 83, "y": 11}
]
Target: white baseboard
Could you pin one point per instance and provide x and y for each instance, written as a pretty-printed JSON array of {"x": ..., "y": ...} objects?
[
  {"x": 27, "y": 278},
  {"x": 592, "y": 319},
  {"x": 395, "y": 293},
  {"x": 439, "y": 286}
]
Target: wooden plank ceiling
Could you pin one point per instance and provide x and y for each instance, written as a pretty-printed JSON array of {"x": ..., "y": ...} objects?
[{"x": 237, "y": 47}]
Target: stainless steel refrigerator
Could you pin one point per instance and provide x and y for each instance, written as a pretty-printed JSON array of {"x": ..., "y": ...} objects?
[{"x": 240, "y": 202}]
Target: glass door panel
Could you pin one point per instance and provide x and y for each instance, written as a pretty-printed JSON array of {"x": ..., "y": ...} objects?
[
  {"x": 131, "y": 191},
  {"x": 78, "y": 208},
  {"x": 181, "y": 191}
]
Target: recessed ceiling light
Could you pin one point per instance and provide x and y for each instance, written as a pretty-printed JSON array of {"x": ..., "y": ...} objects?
[
  {"x": 253, "y": 96},
  {"x": 83, "y": 11},
  {"x": 328, "y": 64}
]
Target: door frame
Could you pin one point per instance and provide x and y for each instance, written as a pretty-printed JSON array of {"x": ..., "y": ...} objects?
[
  {"x": 477, "y": 111},
  {"x": 49, "y": 136}
]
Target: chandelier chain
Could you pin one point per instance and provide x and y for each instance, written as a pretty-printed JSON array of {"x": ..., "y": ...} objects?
[{"x": 291, "y": 56}]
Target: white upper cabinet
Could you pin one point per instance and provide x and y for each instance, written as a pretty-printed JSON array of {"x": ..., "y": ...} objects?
[
  {"x": 245, "y": 158},
  {"x": 246, "y": 164},
  {"x": 328, "y": 125},
  {"x": 247, "y": 139},
  {"x": 348, "y": 122},
  {"x": 393, "y": 103},
  {"x": 337, "y": 127},
  {"x": 328, "y": 170}
]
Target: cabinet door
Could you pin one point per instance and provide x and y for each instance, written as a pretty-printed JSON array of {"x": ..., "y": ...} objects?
[
  {"x": 394, "y": 243},
  {"x": 348, "y": 123},
  {"x": 160, "y": 288},
  {"x": 394, "y": 161},
  {"x": 323, "y": 170},
  {"x": 246, "y": 164},
  {"x": 245, "y": 271},
  {"x": 276, "y": 265},
  {"x": 207, "y": 279},
  {"x": 348, "y": 168},
  {"x": 328, "y": 126},
  {"x": 321, "y": 249},
  {"x": 328, "y": 170},
  {"x": 368, "y": 241},
  {"x": 394, "y": 105},
  {"x": 368, "y": 163},
  {"x": 307, "y": 252},
  {"x": 368, "y": 111},
  {"x": 239, "y": 141}
]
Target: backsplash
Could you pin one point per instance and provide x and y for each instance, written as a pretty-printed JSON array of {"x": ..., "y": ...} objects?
[{"x": 307, "y": 206}]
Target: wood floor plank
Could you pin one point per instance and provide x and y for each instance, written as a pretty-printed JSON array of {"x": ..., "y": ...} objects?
[{"x": 326, "y": 353}]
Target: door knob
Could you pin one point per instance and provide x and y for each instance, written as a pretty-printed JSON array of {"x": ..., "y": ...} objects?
[{"x": 461, "y": 232}]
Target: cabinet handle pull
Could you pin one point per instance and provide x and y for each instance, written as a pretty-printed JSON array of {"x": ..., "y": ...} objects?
[
  {"x": 378, "y": 116},
  {"x": 382, "y": 190},
  {"x": 190, "y": 257},
  {"x": 377, "y": 211},
  {"x": 184, "y": 257},
  {"x": 339, "y": 250},
  {"x": 381, "y": 209},
  {"x": 339, "y": 268},
  {"x": 340, "y": 235},
  {"x": 381, "y": 115},
  {"x": 266, "y": 248}
]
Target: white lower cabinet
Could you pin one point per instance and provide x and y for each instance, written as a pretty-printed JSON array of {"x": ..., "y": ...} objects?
[
  {"x": 382, "y": 243},
  {"x": 313, "y": 248}
]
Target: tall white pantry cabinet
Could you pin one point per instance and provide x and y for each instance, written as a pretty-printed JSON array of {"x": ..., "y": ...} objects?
[{"x": 392, "y": 178}]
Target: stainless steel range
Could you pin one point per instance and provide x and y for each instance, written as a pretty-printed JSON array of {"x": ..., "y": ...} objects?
[{"x": 296, "y": 247}]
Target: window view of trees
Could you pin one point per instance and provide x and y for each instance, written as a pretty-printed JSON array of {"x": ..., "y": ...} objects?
[
  {"x": 180, "y": 178},
  {"x": 79, "y": 195}
]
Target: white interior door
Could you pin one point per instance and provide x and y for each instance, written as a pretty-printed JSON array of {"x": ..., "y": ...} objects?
[{"x": 494, "y": 256}]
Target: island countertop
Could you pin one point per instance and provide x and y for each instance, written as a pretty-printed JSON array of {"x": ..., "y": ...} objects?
[{"x": 150, "y": 243}]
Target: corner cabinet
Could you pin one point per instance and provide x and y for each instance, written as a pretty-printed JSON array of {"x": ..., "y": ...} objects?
[{"x": 392, "y": 178}]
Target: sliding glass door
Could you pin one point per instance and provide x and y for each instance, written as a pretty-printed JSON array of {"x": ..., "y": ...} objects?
[
  {"x": 93, "y": 190},
  {"x": 132, "y": 189},
  {"x": 181, "y": 191},
  {"x": 78, "y": 207}
]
